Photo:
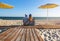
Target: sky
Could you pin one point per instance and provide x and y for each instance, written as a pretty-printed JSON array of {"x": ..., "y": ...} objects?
[{"x": 22, "y": 7}]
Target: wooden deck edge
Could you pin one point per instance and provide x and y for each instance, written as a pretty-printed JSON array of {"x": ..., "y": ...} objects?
[{"x": 36, "y": 26}]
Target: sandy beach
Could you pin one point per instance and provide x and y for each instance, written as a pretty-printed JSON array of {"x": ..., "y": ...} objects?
[
  {"x": 20, "y": 22},
  {"x": 10, "y": 22}
]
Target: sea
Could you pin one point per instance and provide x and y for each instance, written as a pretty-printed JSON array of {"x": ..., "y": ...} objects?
[{"x": 36, "y": 18}]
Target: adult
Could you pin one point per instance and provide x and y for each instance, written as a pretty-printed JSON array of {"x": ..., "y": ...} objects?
[
  {"x": 25, "y": 20},
  {"x": 31, "y": 20}
]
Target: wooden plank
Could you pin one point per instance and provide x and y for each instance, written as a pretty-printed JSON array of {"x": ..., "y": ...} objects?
[
  {"x": 18, "y": 38},
  {"x": 27, "y": 35},
  {"x": 38, "y": 35},
  {"x": 5, "y": 34},
  {"x": 12, "y": 35},
  {"x": 31, "y": 35},
  {"x": 24, "y": 35},
  {"x": 16, "y": 35},
  {"x": 36, "y": 39},
  {"x": 45, "y": 26},
  {"x": 20, "y": 35},
  {"x": 50, "y": 26}
]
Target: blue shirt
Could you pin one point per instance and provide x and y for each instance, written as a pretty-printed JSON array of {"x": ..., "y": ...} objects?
[{"x": 25, "y": 19}]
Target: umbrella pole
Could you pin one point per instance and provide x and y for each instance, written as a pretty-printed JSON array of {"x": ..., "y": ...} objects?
[{"x": 47, "y": 15}]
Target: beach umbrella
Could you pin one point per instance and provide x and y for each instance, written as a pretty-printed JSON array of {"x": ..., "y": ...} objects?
[
  {"x": 48, "y": 6},
  {"x": 5, "y": 6}
]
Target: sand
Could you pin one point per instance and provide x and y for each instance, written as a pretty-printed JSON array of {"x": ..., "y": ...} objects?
[
  {"x": 20, "y": 22},
  {"x": 10, "y": 22}
]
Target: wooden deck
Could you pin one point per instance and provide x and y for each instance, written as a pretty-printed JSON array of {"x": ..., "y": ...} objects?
[
  {"x": 21, "y": 34},
  {"x": 24, "y": 33}
]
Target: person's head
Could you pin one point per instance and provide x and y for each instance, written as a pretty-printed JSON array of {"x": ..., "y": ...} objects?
[
  {"x": 25, "y": 15},
  {"x": 30, "y": 15}
]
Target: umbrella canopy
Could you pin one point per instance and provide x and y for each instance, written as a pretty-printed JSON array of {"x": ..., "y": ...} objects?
[
  {"x": 5, "y": 6},
  {"x": 48, "y": 6}
]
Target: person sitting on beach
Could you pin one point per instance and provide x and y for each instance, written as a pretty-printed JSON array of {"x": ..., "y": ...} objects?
[
  {"x": 31, "y": 20},
  {"x": 25, "y": 20}
]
